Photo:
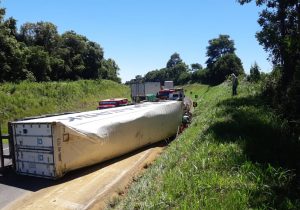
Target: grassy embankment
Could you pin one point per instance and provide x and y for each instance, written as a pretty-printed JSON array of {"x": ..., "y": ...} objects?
[
  {"x": 235, "y": 155},
  {"x": 33, "y": 99}
]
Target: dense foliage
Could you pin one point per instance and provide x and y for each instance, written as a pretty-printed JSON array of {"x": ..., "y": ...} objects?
[
  {"x": 254, "y": 73},
  {"x": 280, "y": 36},
  {"x": 37, "y": 52},
  {"x": 176, "y": 70}
]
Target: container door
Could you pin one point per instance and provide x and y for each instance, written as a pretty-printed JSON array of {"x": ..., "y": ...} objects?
[{"x": 34, "y": 149}]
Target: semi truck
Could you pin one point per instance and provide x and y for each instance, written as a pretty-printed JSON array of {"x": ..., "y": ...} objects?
[
  {"x": 139, "y": 91},
  {"x": 51, "y": 146}
]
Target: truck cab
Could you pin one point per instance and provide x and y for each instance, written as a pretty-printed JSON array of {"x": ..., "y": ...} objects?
[
  {"x": 112, "y": 103},
  {"x": 178, "y": 94},
  {"x": 171, "y": 94},
  {"x": 165, "y": 94}
]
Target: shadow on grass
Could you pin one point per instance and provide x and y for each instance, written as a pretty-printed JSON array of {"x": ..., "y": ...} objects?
[{"x": 264, "y": 139}]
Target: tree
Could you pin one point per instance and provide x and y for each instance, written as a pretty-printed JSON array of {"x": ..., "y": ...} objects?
[
  {"x": 58, "y": 68},
  {"x": 110, "y": 70},
  {"x": 138, "y": 78},
  {"x": 183, "y": 78},
  {"x": 11, "y": 26},
  {"x": 175, "y": 73},
  {"x": 74, "y": 46},
  {"x": 27, "y": 34},
  {"x": 222, "y": 61},
  {"x": 38, "y": 53},
  {"x": 92, "y": 58},
  {"x": 12, "y": 59},
  {"x": 200, "y": 76},
  {"x": 280, "y": 36},
  {"x": 39, "y": 63},
  {"x": 41, "y": 33},
  {"x": 225, "y": 66},
  {"x": 60, "y": 64},
  {"x": 46, "y": 35},
  {"x": 12, "y": 53},
  {"x": 254, "y": 73},
  {"x": 155, "y": 76},
  {"x": 219, "y": 47},
  {"x": 196, "y": 66},
  {"x": 174, "y": 60}
]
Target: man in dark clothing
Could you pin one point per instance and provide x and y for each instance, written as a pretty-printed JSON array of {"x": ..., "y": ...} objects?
[{"x": 234, "y": 84}]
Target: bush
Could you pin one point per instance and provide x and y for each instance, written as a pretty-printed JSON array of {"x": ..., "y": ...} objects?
[{"x": 270, "y": 85}]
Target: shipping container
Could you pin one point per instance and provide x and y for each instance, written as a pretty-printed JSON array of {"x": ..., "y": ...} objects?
[
  {"x": 137, "y": 89},
  {"x": 49, "y": 147},
  {"x": 141, "y": 90},
  {"x": 168, "y": 85},
  {"x": 152, "y": 88}
]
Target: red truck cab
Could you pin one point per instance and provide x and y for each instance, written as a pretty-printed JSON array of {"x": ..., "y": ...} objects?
[
  {"x": 164, "y": 94},
  {"x": 113, "y": 102}
]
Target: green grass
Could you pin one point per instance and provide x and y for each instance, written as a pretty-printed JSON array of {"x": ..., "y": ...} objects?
[
  {"x": 32, "y": 99},
  {"x": 236, "y": 154}
]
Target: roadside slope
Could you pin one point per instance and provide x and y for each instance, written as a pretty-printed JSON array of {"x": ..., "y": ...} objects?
[
  {"x": 235, "y": 155},
  {"x": 31, "y": 98}
]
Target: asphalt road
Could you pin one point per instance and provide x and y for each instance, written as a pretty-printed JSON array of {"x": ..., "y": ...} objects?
[
  {"x": 8, "y": 192},
  {"x": 85, "y": 188}
]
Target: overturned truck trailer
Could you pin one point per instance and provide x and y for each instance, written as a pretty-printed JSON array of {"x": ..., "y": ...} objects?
[{"x": 51, "y": 146}]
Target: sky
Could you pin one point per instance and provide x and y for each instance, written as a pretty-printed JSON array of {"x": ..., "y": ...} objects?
[{"x": 141, "y": 35}]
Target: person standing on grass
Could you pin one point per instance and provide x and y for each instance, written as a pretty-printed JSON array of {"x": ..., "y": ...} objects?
[{"x": 235, "y": 83}]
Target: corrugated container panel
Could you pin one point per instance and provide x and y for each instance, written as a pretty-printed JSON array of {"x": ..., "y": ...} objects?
[
  {"x": 42, "y": 142},
  {"x": 35, "y": 169},
  {"x": 35, "y": 156},
  {"x": 33, "y": 129}
]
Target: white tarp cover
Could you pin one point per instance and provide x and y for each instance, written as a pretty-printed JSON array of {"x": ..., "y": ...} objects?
[{"x": 86, "y": 138}]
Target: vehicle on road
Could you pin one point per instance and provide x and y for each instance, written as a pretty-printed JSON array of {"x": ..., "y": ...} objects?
[
  {"x": 171, "y": 94},
  {"x": 140, "y": 91},
  {"x": 51, "y": 146},
  {"x": 112, "y": 103}
]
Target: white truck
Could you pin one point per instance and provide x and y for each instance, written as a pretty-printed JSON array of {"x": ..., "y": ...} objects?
[{"x": 139, "y": 91}]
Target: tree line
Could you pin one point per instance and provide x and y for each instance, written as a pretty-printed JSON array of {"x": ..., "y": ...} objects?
[
  {"x": 222, "y": 62},
  {"x": 37, "y": 52}
]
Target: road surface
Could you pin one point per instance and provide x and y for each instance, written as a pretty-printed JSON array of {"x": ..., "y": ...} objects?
[{"x": 87, "y": 188}]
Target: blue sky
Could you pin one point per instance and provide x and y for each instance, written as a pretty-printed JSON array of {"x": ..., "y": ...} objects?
[{"x": 141, "y": 35}]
